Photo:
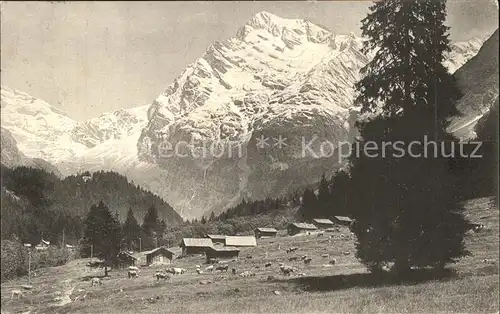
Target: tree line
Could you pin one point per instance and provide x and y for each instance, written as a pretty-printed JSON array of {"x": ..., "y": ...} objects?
[{"x": 37, "y": 204}]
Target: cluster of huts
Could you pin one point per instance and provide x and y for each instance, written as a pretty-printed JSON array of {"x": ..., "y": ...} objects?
[
  {"x": 217, "y": 247},
  {"x": 318, "y": 224},
  {"x": 214, "y": 247},
  {"x": 44, "y": 245}
]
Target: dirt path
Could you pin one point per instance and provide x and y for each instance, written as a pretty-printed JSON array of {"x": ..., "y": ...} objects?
[{"x": 67, "y": 292}]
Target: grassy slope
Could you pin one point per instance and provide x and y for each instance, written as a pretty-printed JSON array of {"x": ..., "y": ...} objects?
[{"x": 345, "y": 287}]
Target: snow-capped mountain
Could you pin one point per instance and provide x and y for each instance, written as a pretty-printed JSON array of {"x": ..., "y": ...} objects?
[
  {"x": 478, "y": 80},
  {"x": 259, "y": 98},
  {"x": 41, "y": 131},
  {"x": 461, "y": 52},
  {"x": 122, "y": 123},
  {"x": 12, "y": 157},
  {"x": 276, "y": 77}
]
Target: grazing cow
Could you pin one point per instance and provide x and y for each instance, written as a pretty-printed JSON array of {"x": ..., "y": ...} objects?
[
  {"x": 346, "y": 253},
  {"x": 132, "y": 274},
  {"x": 95, "y": 281},
  {"x": 175, "y": 271},
  {"x": 249, "y": 256},
  {"x": 320, "y": 234},
  {"x": 81, "y": 298},
  {"x": 307, "y": 261},
  {"x": 294, "y": 258},
  {"x": 286, "y": 270},
  {"x": 478, "y": 228},
  {"x": 292, "y": 249},
  {"x": 210, "y": 268},
  {"x": 163, "y": 276},
  {"x": 333, "y": 262},
  {"x": 199, "y": 271},
  {"x": 303, "y": 257},
  {"x": 16, "y": 292},
  {"x": 326, "y": 255},
  {"x": 301, "y": 274},
  {"x": 269, "y": 264},
  {"x": 222, "y": 268},
  {"x": 247, "y": 274}
]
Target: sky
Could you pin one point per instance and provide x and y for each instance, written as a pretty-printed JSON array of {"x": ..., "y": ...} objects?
[{"x": 87, "y": 58}]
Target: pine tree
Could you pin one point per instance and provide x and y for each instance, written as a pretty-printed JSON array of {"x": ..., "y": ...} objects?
[
  {"x": 406, "y": 210},
  {"x": 309, "y": 205},
  {"x": 162, "y": 228},
  {"x": 340, "y": 191},
  {"x": 103, "y": 232},
  {"x": 150, "y": 228},
  {"x": 212, "y": 217},
  {"x": 324, "y": 201},
  {"x": 131, "y": 231}
]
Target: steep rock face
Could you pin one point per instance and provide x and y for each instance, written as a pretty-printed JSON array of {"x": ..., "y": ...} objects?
[
  {"x": 461, "y": 52},
  {"x": 12, "y": 157},
  {"x": 118, "y": 124},
  {"x": 277, "y": 78},
  {"x": 41, "y": 131},
  {"x": 478, "y": 80}
]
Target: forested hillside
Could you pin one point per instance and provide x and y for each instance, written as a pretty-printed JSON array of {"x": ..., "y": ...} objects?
[{"x": 38, "y": 204}]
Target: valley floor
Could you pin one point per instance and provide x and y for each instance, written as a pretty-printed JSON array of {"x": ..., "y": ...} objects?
[{"x": 344, "y": 287}]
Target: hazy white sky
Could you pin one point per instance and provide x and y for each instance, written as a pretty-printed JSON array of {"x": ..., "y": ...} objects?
[{"x": 90, "y": 57}]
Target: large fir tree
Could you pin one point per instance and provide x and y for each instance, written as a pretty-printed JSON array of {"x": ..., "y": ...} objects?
[
  {"x": 324, "y": 200},
  {"x": 131, "y": 231},
  {"x": 309, "y": 205},
  {"x": 103, "y": 232},
  {"x": 406, "y": 209},
  {"x": 152, "y": 228}
]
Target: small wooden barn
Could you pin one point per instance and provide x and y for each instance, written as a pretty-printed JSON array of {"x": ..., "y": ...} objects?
[
  {"x": 265, "y": 233},
  {"x": 195, "y": 245},
  {"x": 217, "y": 239},
  {"x": 240, "y": 241},
  {"x": 221, "y": 252},
  {"x": 43, "y": 245},
  {"x": 300, "y": 227},
  {"x": 323, "y": 223},
  {"x": 159, "y": 256},
  {"x": 125, "y": 259},
  {"x": 342, "y": 220}
]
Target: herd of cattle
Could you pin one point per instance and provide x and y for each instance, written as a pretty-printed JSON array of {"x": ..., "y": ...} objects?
[{"x": 222, "y": 266}]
